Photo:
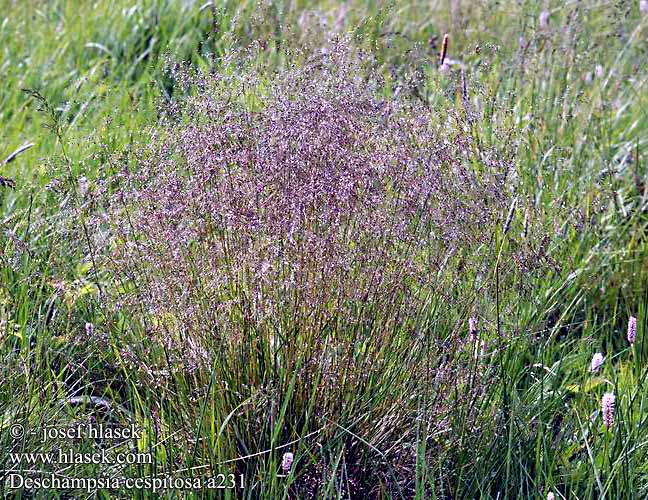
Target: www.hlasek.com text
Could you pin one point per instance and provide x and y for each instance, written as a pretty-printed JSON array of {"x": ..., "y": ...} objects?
[{"x": 71, "y": 456}]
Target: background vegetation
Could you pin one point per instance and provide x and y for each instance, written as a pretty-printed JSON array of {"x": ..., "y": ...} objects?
[{"x": 555, "y": 90}]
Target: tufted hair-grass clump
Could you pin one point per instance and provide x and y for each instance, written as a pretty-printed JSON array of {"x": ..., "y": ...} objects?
[
  {"x": 305, "y": 198},
  {"x": 298, "y": 232}
]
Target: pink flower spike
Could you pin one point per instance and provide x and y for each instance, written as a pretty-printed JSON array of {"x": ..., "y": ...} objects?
[
  {"x": 599, "y": 71},
  {"x": 643, "y": 6},
  {"x": 632, "y": 329},
  {"x": 286, "y": 461},
  {"x": 597, "y": 361},
  {"x": 607, "y": 409},
  {"x": 550, "y": 496},
  {"x": 543, "y": 21}
]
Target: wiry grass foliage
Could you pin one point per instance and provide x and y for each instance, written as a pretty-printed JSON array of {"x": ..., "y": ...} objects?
[
  {"x": 301, "y": 234},
  {"x": 396, "y": 270}
]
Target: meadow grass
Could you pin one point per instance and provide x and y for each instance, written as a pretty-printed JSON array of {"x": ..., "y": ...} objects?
[{"x": 562, "y": 102}]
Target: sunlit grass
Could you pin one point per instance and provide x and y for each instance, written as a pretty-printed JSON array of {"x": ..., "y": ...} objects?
[{"x": 577, "y": 140}]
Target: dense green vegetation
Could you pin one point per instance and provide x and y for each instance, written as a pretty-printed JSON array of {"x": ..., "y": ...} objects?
[{"x": 542, "y": 103}]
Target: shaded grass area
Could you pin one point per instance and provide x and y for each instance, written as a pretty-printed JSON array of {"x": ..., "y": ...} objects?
[{"x": 576, "y": 135}]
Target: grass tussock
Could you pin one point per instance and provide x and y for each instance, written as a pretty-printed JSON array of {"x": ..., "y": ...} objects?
[{"x": 298, "y": 234}]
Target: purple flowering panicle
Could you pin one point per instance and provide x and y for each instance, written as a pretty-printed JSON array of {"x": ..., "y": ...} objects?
[{"x": 305, "y": 197}]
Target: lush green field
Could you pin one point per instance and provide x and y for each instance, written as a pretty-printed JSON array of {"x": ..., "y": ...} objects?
[{"x": 251, "y": 230}]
